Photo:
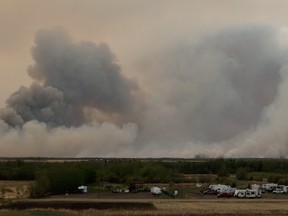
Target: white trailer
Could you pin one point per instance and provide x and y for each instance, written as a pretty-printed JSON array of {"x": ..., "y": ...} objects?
[
  {"x": 247, "y": 193},
  {"x": 269, "y": 186},
  {"x": 223, "y": 190},
  {"x": 219, "y": 188},
  {"x": 83, "y": 189},
  {"x": 281, "y": 189},
  {"x": 240, "y": 193},
  {"x": 251, "y": 193},
  {"x": 258, "y": 190},
  {"x": 156, "y": 190}
]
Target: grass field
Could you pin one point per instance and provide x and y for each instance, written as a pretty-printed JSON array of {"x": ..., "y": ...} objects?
[
  {"x": 190, "y": 207},
  {"x": 35, "y": 213},
  {"x": 191, "y": 202}
]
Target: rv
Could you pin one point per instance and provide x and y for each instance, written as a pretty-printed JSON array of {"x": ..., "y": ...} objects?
[
  {"x": 269, "y": 187},
  {"x": 156, "y": 190},
  {"x": 250, "y": 193},
  {"x": 240, "y": 193},
  {"x": 247, "y": 193}
]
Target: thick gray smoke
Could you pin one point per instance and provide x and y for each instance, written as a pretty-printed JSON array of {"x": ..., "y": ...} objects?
[
  {"x": 68, "y": 78},
  {"x": 210, "y": 96},
  {"x": 224, "y": 95}
]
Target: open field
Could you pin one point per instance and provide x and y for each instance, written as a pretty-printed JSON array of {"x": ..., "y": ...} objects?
[
  {"x": 35, "y": 213},
  {"x": 176, "y": 208},
  {"x": 9, "y": 183}
]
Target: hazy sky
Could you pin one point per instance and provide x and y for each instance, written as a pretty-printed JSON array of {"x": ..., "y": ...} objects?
[
  {"x": 196, "y": 76},
  {"x": 132, "y": 28}
]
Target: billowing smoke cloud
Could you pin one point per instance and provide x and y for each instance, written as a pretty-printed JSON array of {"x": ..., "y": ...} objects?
[
  {"x": 68, "y": 78},
  {"x": 45, "y": 104},
  {"x": 223, "y": 95},
  {"x": 215, "y": 93}
]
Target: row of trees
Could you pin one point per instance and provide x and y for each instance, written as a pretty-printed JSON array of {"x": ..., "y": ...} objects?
[
  {"x": 232, "y": 165},
  {"x": 52, "y": 177}
]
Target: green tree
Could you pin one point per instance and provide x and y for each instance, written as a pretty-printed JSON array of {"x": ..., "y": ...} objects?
[
  {"x": 42, "y": 184},
  {"x": 223, "y": 171},
  {"x": 241, "y": 173},
  {"x": 65, "y": 179}
]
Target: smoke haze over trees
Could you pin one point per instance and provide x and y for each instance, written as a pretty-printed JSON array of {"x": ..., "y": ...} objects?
[{"x": 223, "y": 95}]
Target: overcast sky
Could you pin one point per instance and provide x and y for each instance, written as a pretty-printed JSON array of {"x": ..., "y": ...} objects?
[{"x": 198, "y": 77}]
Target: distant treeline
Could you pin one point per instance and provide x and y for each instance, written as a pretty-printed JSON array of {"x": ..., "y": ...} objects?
[{"x": 58, "y": 177}]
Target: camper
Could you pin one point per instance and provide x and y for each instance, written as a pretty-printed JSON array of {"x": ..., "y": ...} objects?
[
  {"x": 219, "y": 187},
  {"x": 251, "y": 193},
  {"x": 269, "y": 187},
  {"x": 258, "y": 189},
  {"x": 240, "y": 193},
  {"x": 156, "y": 190},
  {"x": 247, "y": 193},
  {"x": 226, "y": 191},
  {"x": 280, "y": 189},
  {"x": 83, "y": 189}
]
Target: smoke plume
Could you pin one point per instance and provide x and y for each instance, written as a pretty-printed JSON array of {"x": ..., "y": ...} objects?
[
  {"x": 69, "y": 77},
  {"x": 223, "y": 95},
  {"x": 211, "y": 96}
]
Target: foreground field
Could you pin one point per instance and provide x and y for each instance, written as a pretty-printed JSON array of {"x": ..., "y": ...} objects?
[
  {"x": 35, "y": 213},
  {"x": 176, "y": 208}
]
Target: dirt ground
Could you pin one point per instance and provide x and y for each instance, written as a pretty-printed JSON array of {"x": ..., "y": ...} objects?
[
  {"x": 164, "y": 207},
  {"x": 193, "y": 207},
  {"x": 108, "y": 196},
  {"x": 205, "y": 206},
  {"x": 224, "y": 207}
]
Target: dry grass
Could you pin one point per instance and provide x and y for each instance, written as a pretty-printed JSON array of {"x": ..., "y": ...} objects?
[
  {"x": 224, "y": 207},
  {"x": 14, "y": 183},
  {"x": 15, "y": 189},
  {"x": 193, "y": 207},
  {"x": 203, "y": 208}
]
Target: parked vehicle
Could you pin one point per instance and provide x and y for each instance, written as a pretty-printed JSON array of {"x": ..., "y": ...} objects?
[
  {"x": 247, "y": 193},
  {"x": 156, "y": 190},
  {"x": 258, "y": 189},
  {"x": 251, "y": 193},
  {"x": 225, "y": 194},
  {"x": 240, "y": 193},
  {"x": 278, "y": 191},
  {"x": 269, "y": 187},
  {"x": 226, "y": 191},
  {"x": 208, "y": 191}
]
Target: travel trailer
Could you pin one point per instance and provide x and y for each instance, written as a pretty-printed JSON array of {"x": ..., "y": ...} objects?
[
  {"x": 156, "y": 190},
  {"x": 247, "y": 193}
]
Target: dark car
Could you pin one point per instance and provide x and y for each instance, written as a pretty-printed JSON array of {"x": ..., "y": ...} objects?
[{"x": 225, "y": 194}]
